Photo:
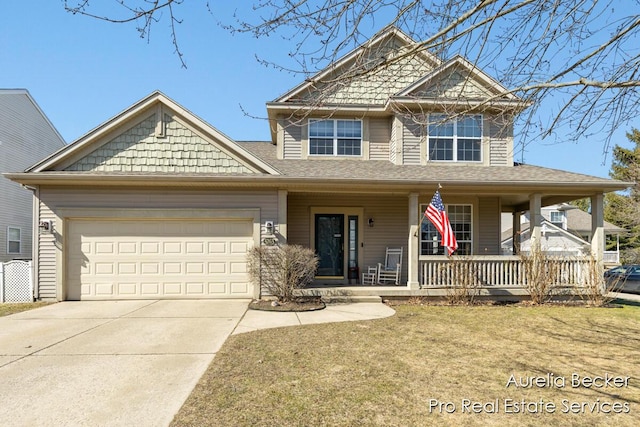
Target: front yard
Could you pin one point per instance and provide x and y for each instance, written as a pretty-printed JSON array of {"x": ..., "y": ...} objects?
[{"x": 431, "y": 365}]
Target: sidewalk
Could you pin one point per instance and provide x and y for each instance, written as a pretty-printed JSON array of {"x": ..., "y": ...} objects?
[
  {"x": 624, "y": 296},
  {"x": 254, "y": 320}
]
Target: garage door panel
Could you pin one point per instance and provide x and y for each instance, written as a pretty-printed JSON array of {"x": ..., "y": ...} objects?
[
  {"x": 158, "y": 259},
  {"x": 150, "y": 248}
]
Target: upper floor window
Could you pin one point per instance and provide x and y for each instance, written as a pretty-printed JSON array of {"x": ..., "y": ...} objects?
[
  {"x": 335, "y": 137},
  {"x": 14, "y": 240},
  {"x": 458, "y": 139}
]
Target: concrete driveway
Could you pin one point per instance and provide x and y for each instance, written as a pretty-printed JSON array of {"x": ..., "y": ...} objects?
[{"x": 108, "y": 363}]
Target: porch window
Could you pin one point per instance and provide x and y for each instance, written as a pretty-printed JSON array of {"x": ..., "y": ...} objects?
[
  {"x": 14, "y": 240},
  {"x": 460, "y": 217},
  {"x": 335, "y": 137},
  {"x": 458, "y": 139}
]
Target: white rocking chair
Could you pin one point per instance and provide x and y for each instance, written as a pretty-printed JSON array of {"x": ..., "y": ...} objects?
[{"x": 389, "y": 272}]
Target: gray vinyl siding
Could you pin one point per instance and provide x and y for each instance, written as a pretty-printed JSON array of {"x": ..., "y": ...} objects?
[
  {"x": 379, "y": 137},
  {"x": 390, "y": 229},
  {"x": 46, "y": 280},
  {"x": 26, "y": 137},
  {"x": 393, "y": 142},
  {"x": 411, "y": 142},
  {"x": 489, "y": 230},
  {"x": 52, "y": 199},
  {"x": 498, "y": 152},
  {"x": 500, "y": 135},
  {"x": 292, "y": 140}
]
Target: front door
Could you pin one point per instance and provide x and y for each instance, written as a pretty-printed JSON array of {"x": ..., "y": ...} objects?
[{"x": 329, "y": 240}]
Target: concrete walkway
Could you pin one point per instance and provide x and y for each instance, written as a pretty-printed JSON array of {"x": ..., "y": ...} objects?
[
  {"x": 256, "y": 319},
  {"x": 624, "y": 296}
]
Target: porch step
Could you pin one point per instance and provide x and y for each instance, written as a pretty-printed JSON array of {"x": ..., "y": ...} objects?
[{"x": 349, "y": 299}]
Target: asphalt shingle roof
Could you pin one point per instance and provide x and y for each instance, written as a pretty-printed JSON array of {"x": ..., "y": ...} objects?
[{"x": 381, "y": 170}]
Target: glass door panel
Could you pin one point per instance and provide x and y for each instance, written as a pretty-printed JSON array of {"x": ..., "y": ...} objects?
[{"x": 330, "y": 244}]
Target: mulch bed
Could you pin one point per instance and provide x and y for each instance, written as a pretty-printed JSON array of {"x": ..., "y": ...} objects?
[{"x": 297, "y": 305}]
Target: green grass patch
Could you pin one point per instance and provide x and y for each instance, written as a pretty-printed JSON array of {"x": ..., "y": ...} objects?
[
  {"x": 386, "y": 372},
  {"x": 11, "y": 308}
]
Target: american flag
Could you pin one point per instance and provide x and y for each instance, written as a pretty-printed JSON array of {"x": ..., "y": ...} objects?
[{"x": 438, "y": 216}]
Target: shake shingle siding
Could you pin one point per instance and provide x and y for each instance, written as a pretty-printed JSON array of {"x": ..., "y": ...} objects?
[{"x": 139, "y": 149}]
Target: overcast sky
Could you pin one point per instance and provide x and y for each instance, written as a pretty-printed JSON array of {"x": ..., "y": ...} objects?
[{"x": 82, "y": 72}]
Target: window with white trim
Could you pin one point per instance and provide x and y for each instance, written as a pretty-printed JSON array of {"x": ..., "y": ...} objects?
[
  {"x": 455, "y": 140},
  {"x": 14, "y": 240},
  {"x": 557, "y": 218},
  {"x": 461, "y": 219},
  {"x": 335, "y": 137}
]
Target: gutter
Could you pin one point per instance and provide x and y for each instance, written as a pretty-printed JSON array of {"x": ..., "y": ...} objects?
[{"x": 283, "y": 181}]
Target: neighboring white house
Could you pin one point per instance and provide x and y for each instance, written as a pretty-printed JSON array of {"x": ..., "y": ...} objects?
[
  {"x": 566, "y": 230},
  {"x": 26, "y": 136}
]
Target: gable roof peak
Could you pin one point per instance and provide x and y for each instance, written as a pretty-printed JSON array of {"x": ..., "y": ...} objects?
[
  {"x": 153, "y": 103},
  {"x": 474, "y": 71},
  {"x": 386, "y": 33}
]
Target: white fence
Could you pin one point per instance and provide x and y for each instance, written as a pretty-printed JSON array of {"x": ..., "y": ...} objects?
[{"x": 16, "y": 281}]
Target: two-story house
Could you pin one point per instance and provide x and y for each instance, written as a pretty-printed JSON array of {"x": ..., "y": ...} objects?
[
  {"x": 157, "y": 203},
  {"x": 26, "y": 136}
]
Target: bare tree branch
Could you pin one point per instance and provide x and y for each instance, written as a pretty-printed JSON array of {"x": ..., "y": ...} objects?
[{"x": 575, "y": 62}]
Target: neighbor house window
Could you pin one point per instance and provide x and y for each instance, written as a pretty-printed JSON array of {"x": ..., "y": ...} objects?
[
  {"x": 14, "y": 241},
  {"x": 335, "y": 137},
  {"x": 557, "y": 218},
  {"x": 458, "y": 139},
  {"x": 460, "y": 218}
]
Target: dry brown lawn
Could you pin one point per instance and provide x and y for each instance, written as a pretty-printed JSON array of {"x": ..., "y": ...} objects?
[
  {"x": 11, "y": 308},
  {"x": 391, "y": 372}
]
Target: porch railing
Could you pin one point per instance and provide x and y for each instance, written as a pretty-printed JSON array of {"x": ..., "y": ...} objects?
[
  {"x": 611, "y": 257},
  {"x": 488, "y": 271}
]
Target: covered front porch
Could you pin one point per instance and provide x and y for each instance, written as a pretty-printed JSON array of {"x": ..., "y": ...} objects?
[{"x": 364, "y": 225}]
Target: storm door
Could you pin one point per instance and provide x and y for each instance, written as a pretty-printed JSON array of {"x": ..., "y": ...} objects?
[{"x": 330, "y": 244}]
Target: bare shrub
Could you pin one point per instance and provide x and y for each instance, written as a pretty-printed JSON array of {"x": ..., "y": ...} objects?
[
  {"x": 280, "y": 270},
  {"x": 464, "y": 281},
  {"x": 593, "y": 290},
  {"x": 541, "y": 274}
]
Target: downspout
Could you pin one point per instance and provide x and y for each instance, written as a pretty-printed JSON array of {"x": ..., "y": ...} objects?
[{"x": 35, "y": 238}]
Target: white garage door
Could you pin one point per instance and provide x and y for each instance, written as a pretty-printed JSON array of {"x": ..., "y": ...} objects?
[{"x": 138, "y": 259}]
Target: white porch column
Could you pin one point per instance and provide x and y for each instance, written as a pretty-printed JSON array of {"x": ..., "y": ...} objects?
[
  {"x": 535, "y": 219},
  {"x": 516, "y": 227},
  {"x": 597, "y": 226},
  {"x": 282, "y": 216},
  {"x": 413, "y": 248},
  {"x": 597, "y": 235}
]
